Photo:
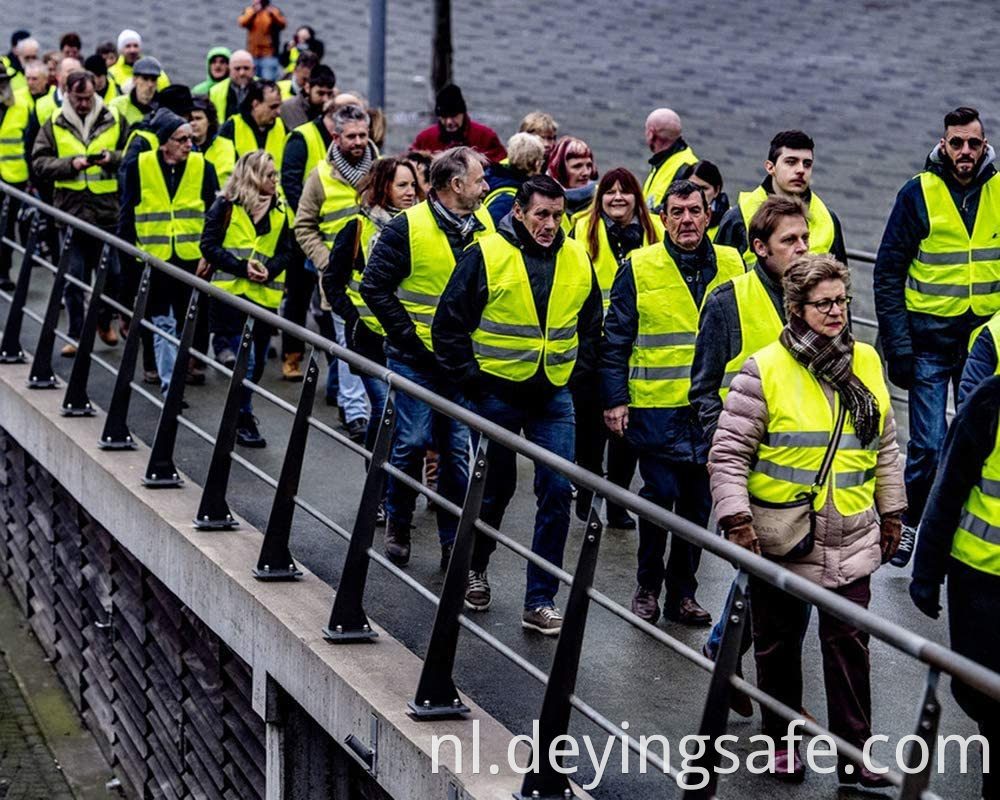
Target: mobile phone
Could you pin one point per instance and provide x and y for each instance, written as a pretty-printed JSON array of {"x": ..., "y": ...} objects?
[{"x": 93, "y": 158}]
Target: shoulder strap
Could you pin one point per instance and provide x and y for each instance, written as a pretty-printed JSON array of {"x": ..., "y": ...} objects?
[{"x": 831, "y": 449}]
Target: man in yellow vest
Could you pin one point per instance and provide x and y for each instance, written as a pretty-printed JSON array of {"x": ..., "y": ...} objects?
[
  {"x": 406, "y": 274},
  {"x": 959, "y": 535},
  {"x": 671, "y": 154},
  {"x": 138, "y": 102},
  {"x": 520, "y": 319},
  {"x": 936, "y": 278},
  {"x": 17, "y": 128},
  {"x": 129, "y": 53},
  {"x": 47, "y": 105},
  {"x": 789, "y": 167},
  {"x": 164, "y": 196},
  {"x": 646, "y": 357},
  {"x": 78, "y": 149},
  {"x": 36, "y": 76},
  {"x": 257, "y": 125},
  {"x": 228, "y": 94}
]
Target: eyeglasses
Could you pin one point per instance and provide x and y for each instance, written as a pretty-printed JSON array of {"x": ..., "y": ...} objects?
[
  {"x": 826, "y": 306},
  {"x": 182, "y": 139},
  {"x": 955, "y": 143}
]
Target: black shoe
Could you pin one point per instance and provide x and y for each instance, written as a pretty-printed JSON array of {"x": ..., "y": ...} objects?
[
  {"x": 331, "y": 400},
  {"x": 445, "y": 556},
  {"x": 247, "y": 432},
  {"x": 905, "y": 551},
  {"x": 6, "y": 284},
  {"x": 688, "y": 612},
  {"x": 357, "y": 430}
]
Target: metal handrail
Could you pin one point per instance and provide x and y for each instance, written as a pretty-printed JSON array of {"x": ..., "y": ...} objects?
[{"x": 937, "y": 657}]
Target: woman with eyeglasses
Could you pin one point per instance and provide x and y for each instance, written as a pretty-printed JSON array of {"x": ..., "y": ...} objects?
[{"x": 805, "y": 470}]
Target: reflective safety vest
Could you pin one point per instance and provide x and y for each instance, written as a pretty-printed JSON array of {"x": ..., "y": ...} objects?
[
  {"x": 95, "y": 178},
  {"x": 149, "y": 136},
  {"x": 242, "y": 241},
  {"x": 509, "y": 341},
  {"x": 165, "y": 225},
  {"x": 123, "y": 107},
  {"x": 660, "y": 177},
  {"x": 121, "y": 73},
  {"x": 111, "y": 92},
  {"x": 221, "y": 154},
  {"x": 503, "y": 191},
  {"x": 13, "y": 165},
  {"x": 800, "y": 424},
  {"x": 340, "y": 204},
  {"x": 606, "y": 264},
  {"x": 821, "y": 229},
  {"x": 663, "y": 352},
  {"x": 977, "y": 540},
  {"x": 219, "y": 95},
  {"x": 760, "y": 323},
  {"x": 952, "y": 271},
  {"x": 993, "y": 326},
  {"x": 245, "y": 141},
  {"x": 285, "y": 88},
  {"x": 431, "y": 265},
  {"x": 315, "y": 146},
  {"x": 45, "y": 106},
  {"x": 368, "y": 229}
]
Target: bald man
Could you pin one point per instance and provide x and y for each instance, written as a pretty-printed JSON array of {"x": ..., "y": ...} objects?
[
  {"x": 228, "y": 94},
  {"x": 670, "y": 154},
  {"x": 46, "y": 106}
]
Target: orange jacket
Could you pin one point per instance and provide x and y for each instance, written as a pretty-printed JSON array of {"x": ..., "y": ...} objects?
[{"x": 262, "y": 30}]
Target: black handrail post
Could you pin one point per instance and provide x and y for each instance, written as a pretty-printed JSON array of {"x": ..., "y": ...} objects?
[
  {"x": 553, "y": 720},
  {"x": 76, "y": 402},
  {"x": 436, "y": 695},
  {"x": 715, "y": 717},
  {"x": 348, "y": 621},
  {"x": 213, "y": 511},
  {"x": 115, "y": 435},
  {"x": 161, "y": 472},
  {"x": 928, "y": 717},
  {"x": 275, "y": 562},
  {"x": 41, "y": 375},
  {"x": 11, "y": 351}
]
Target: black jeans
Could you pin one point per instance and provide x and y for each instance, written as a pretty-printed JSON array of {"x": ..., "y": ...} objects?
[
  {"x": 84, "y": 254},
  {"x": 591, "y": 437}
]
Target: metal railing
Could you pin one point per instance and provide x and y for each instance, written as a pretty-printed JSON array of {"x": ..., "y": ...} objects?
[{"x": 435, "y": 695}]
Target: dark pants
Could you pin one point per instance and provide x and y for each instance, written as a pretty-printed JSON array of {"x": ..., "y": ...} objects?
[
  {"x": 592, "y": 435},
  {"x": 9, "y": 232},
  {"x": 299, "y": 285},
  {"x": 933, "y": 374},
  {"x": 223, "y": 318},
  {"x": 779, "y": 623},
  {"x": 84, "y": 255},
  {"x": 549, "y": 425},
  {"x": 681, "y": 487}
]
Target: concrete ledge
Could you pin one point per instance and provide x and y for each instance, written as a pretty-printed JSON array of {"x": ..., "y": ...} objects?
[{"x": 275, "y": 627}]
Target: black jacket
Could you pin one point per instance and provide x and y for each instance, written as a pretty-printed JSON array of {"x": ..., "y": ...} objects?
[
  {"x": 500, "y": 176},
  {"x": 214, "y": 232},
  {"x": 980, "y": 365},
  {"x": 293, "y": 163},
  {"x": 904, "y": 332},
  {"x": 461, "y": 309},
  {"x": 389, "y": 263},
  {"x": 671, "y": 432},
  {"x": 720, "y": 337}
]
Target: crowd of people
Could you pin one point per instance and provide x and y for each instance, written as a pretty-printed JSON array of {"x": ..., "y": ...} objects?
[{"x": 619, "y": 322}]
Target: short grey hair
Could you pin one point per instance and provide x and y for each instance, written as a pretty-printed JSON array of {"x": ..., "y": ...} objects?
[
  {"x": 805, "y": 273},
  {"x": 347, "y": 114},
  {"x": 36, "y": 68},
  {"x": 526, "y": 151},
  {"x": 454, "y": 163}
]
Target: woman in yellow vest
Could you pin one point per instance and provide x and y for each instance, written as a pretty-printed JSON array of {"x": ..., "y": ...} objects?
[
  {"x": 571, "y": 163},
  {"x": 247, "y": 245},
  {"x": 774, "y": 431}
]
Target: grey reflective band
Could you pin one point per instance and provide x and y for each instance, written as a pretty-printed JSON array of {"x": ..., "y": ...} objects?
[
  {"x": 848, "y": 441},
  {"x": 363, "y": 310},
  {"x": 153, "y": 216},
  {"x": 353, "y": 284},
  {"x": 219, "y": 275},
  {"x": 416, "y": 297},
  {"x": 504, "y": 353},
  {"x": 562, "y": 334},
  {"x": 659, "y": 373},
  {"x": 187, "y": 237},
  {"x": 416, "y": 316},
  {"x": 939, "y": 289},
  {"x": 506, "y": 329},
  {"x": 606, "y": 294},
  {"x": 990, "y": 487},
  {"x": 189, "y": 213},
  {"x": 943, "y": 259},
  {"x": 153, "y": 239},
  {"x": 241, "y": 252},
  {"x": 979, "y": 527},
  {"x": 986, "y": 254},
  {"x": 727, "y": 379},
  {"x": 848, "y": 480},
  {"x": 278, "y": 285},
  {"x": 15, "y": 157},
  {"x": 803, "y": 477},
  {"x": 986, "y": 288},
  {"x": 333, "y": 216},
  {"x": 664, "y": 339},
  {"x": 555, "y": 359},
  {"x": 12, "y": 140}
]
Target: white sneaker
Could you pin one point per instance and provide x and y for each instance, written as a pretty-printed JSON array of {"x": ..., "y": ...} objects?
[{"x": 477, "y": 592}]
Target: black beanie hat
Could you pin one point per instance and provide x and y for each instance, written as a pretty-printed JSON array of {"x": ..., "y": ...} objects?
[
  {"x": 96, "y": 65},
  {"x": 164, "y": 122},
  {"x": 177, "y": 98},
  {"x": 449, "y": 101}
]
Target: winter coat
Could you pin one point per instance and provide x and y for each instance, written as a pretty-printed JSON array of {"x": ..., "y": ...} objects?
[
  {"x": 478, "y": 137},
  {"x": 205, "y": 86}
]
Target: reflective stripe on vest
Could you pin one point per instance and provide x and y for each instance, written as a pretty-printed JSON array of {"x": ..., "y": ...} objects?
[
  {"x": 759, "y": 323},
  {"x": 166, "y": 225},
  {"x": 605, "y": 264},
  {"x": 354, "y": 284},
  {"x": 821, "y": 229},
  {"x": 242, "y": 241},
  {"x": 660, "y": 178},
  {"x": 340, "y": 204},
  {"x": 800, "y": 423},
  {"x": 246, "y": 142},
  {"x": 94, "y": 178},
  {"x": 953, "y": 271},
  {"x": 431, "y": 265},
  {"x": 977, "y": 540},
  {"x": 13, "y": 165},
  {"x": 509, "y": 342},
  {"x": 661, "y": 358}
]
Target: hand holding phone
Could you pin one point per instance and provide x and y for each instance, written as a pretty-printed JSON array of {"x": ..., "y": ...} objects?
[{"x": 95, "y": 158}]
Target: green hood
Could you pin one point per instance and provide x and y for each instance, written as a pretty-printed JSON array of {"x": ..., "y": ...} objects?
[{"x": 208, "y": 83}]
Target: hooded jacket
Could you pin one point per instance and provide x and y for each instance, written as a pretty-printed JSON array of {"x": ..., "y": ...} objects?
[
  {"x": 904, "y": 332},
  {"x": 209, "y": 82},
  {"x": 479, "y": 137}
]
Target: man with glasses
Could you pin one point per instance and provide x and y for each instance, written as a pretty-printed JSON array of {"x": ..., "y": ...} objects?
[{"x": 937, "y": 277}]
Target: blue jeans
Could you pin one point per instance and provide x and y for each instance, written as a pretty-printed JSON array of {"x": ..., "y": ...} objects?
[
  {"x": 267, "y": 68},
  {"x": 166, "y": 352},
  {"x": 350, "y": 389},
  {"x": 377, "y": 390},
  {"x": 550, "y": 425},
  {"x": 418, "y": 428},
  {"x": 933, "y": 372}
]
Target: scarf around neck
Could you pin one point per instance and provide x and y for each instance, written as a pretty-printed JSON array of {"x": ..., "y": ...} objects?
[
  {"x": 831, "y": 360},
  {"x": 350, "y": 172}
]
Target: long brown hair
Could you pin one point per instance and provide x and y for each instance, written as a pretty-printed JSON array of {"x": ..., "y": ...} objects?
[
  {"x": 630, "y": 185},
  {"x": 376, "y": 185}
]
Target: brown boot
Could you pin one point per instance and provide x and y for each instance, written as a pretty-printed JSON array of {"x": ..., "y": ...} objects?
[
  {"x": 397, "y": 543},
  {"x": 291, "y": 369}
]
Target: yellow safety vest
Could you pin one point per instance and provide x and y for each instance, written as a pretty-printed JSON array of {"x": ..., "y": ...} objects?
[
  {"x": 315, "y": 147},
  {"x": 977, "y": 540},
  {"x": 285, "y": 88},
  {"x": 431, "y": 265},
  {"x": 821, "y": 229},
  {"x": 45, "y": 106},
  {"x": 760, "y": 323},
  {"x": 13, "y": 164},
  {"x": 242, "y": 241},
  {"x": 149, "y": 136},
  {"x": 340, "y": 204},
  {"x": 219, "y": 95},
  {"x": 800, "y": 424},
  {"x": 353, "y": 291},
  {"x": 165, "y": 225},
  {"x": 121, "y": 73},
  {"x": 503, "y": 191},
  {"x": 95, "y": 178},
  {"x": 509, "y": 341},
  {"x": 605, "y": 264},
  {"x": 221, "y": 154},
  {"x": 125, "y": 108},
  {"x": 245, "y": 141},
  {"x": 660, "y": 177},
  {"x": 111, "y": 92},
  {"x": 994, "y": 328},
  {"x": 952, "y": 271},
  {"x": 663, "y": 352}
]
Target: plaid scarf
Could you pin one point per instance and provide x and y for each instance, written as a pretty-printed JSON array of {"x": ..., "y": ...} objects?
[
  {"x": 463, "y": 226},
  {"x": 830, "y": 359}
]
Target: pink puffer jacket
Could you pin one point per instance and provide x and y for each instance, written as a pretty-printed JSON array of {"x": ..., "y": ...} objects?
[{"x": 847, "y": 548}]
